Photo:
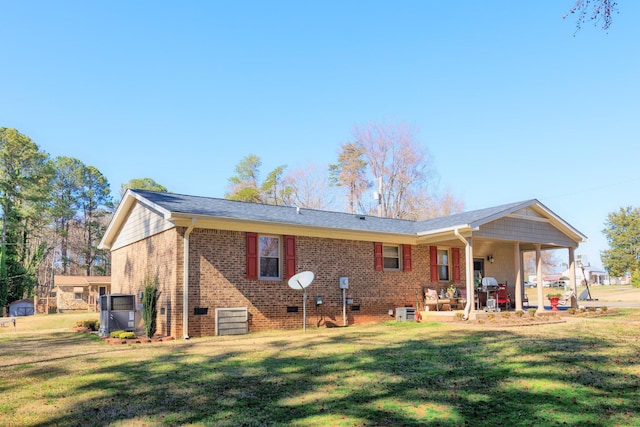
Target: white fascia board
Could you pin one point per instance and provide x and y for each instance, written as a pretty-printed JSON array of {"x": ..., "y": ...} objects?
[
  {"x": 465, "y": 228},
  {"x": 266, "y": 227}
]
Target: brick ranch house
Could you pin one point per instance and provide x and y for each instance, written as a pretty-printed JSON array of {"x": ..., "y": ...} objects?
[{"x": 209, "y": 253}]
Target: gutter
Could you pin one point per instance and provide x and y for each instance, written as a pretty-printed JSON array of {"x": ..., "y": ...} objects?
[
  {"x": 468, "y": 278},
  {"x": 185, "y": 281}
]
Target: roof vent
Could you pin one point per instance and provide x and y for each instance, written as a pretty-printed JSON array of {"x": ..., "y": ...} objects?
[
  {"x": 298, "y": 210},
  {"x": 362, "y": 217}
]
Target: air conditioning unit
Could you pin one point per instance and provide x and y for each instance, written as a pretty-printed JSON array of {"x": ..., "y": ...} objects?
[
  {"x": 117, "y": 313},
  {"x": 404, "y": 314}
]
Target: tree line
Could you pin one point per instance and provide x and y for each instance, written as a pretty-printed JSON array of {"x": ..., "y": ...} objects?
[{"x": 54, "y": 213}]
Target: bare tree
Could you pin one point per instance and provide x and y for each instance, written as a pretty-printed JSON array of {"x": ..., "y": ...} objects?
[
  {"x": 426, "y": 205},
  {"x": 309, "y": 188},
  {"x": 598, "y": 11},
  {"x": 395, "y": 158}
]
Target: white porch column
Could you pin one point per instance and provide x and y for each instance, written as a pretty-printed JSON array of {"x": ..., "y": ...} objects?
[
  {"x": 539, "y": 279},
  {"x": 471, "y": 288},
  {"x": 518, "y": 270},
  {"x": 468, "y": 253},
  {"x": 572, "y": 277}
]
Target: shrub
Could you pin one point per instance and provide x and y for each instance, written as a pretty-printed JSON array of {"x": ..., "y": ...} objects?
[
  {"x": 506, "y": 314},
  {"x": 519, "y": 313},
  {"x": 123, "y": 335},
  {"x": 531, "y": 311},
  {"x": 149, "y": 306},
  {"x": 459, "y": 316},
  {"x": 91, "y": 324},
  {"x": 571, "y": 311},
  {"x": 604, "y": 308}
]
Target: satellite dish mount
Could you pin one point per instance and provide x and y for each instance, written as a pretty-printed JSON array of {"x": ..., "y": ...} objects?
[{"x": 301, "y": 281}]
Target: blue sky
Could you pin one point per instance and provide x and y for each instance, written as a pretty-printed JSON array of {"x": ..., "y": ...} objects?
[{"x": 510, "y": 104}]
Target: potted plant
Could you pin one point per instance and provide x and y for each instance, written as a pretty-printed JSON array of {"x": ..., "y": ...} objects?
[
  {"x": 451, "y": 290},
  {"x": 554, "y": 298}
]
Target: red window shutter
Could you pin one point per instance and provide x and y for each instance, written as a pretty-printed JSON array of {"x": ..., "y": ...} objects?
[
  {"x": 377, "y": 256},
  {"x": 406, "y": 257},
  {"x": 433, "y": 263},
  {"x": 289, "y": 256},
  {"x": 252, "y": 256},
  {"x": 455, "y": 254}
]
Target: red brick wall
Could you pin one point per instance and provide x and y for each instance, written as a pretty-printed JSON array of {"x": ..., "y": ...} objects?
[
  {"x": 155, "y": 257},
  {"x": 218, "y": 280}
]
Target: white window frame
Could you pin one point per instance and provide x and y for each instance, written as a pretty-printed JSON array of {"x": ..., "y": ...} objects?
[
  {"x": 262, "y": 257},
  {"x": 444, "y": 267},
  {"x": 385, "y": 257}
]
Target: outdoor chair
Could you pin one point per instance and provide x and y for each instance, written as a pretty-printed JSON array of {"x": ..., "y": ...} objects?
[
  {"x": 502, "y": 297},
  {"x": 431, "y": 299},
  {"x": 462, "y": 299},
  {"x": 566, "y": 299}
]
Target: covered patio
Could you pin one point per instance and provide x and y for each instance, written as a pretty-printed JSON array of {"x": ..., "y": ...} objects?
[{"x": 492, "y": 243}]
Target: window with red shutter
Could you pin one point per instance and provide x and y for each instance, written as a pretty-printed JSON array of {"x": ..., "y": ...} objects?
[
  {"x": 289, "y": 256},
  {"x": 406, "y": 257},
  {"x": 252, "y": 256},
  {"x": 455, "y": 258},
  {"x": 377, "y": 256},
  {"x": 433, "y": 263}
]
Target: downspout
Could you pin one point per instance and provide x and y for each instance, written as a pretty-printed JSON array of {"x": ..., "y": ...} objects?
[
  {"x": 185, "y": 281},
  {"x": 468, "y": 278}
]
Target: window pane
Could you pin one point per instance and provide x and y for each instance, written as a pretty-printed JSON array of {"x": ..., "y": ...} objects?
[
  {"x": 392, "y": 263},
  {"x": 269, "y": 267},
  {"x": 443, "y": 264},
  {"x": 390, "y": 251},
  {"x": 443, "y": 272},
  {"x": 269, "y": 246},
  {"x": 391, "y": 257},
  {"x": 269, "y": 257},
  {"x": 443, "y": 257}
]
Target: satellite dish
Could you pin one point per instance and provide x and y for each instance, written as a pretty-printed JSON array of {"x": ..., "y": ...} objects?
[{"x": 301, "y": 280}]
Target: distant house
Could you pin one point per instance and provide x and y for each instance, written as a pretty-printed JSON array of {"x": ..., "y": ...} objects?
[
  {"x": 209, "y": 255},
  {"x": 23, "y": 307},
  {"x": 80, "y": 293},
  {"x": 592, "y": 276}
]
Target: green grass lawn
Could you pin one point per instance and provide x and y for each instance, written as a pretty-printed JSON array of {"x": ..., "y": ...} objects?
[{"x": 582, "y": 372}]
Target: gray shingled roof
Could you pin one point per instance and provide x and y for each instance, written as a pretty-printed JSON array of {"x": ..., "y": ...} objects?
[
  {"x": 184, "y": 205},
  {"x": 472, "y": 218}
]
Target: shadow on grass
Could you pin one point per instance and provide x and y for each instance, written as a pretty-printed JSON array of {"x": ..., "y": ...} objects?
[{"x": 402, "y": 376}]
